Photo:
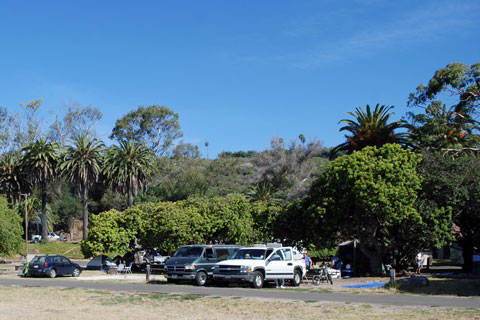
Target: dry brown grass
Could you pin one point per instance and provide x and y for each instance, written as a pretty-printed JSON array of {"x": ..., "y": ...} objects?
[{"x": 74, "y": 304}]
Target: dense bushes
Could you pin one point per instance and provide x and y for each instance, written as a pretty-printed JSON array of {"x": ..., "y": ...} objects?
[
  {"x": 169, "y": 225},
  {"x": 10, "y": 229}
]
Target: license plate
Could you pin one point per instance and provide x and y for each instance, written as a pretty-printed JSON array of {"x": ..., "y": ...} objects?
[
  {"x": 35, "y": 267},
  {"x": 228, "y": 277},
  {"x": 174, "y": 276}
]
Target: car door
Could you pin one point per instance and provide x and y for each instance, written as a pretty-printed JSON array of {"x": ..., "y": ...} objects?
[
  {"x": 67, "y": 265},
  {"x": 276, "y": 267},
  {"x": 58, "y": 264},
  {"x": 288, "y": 265}
]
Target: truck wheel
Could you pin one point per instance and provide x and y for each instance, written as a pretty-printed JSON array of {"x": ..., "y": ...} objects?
[
  {"x": 52, "y": 273},
  {"x": 201, "y": 278},
  {"x": 257, "y": 280},
  {"x": 297, "y": 278}
]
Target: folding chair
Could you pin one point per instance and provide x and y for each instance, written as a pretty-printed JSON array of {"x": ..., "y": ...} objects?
[
  {"x": 121, "y": 268},
  {"x": 128, "y": 269}
]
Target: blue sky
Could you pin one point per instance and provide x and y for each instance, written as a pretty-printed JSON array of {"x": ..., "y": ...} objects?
[{"x": 236, "y": 72}]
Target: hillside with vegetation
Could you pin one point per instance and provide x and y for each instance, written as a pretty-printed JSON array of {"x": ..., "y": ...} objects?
[{"x": 396, "y": 186}]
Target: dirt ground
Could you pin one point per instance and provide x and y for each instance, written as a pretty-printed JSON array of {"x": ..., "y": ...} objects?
[
  {"x": 48, "y": 303},
  {"x": 82, "y": 304}
]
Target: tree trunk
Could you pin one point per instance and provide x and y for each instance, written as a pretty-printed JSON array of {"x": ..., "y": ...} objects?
[
  {"x": 44, "y": 213},
  {"x": 130, "y": 197},
  {"x": 9, "y": 199},
  {"x": 85, "y": 213}
]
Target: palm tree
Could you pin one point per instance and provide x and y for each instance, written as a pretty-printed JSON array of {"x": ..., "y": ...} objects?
[
  {"x": 128, "y": 166},
  {"x": 440, "y": 127},
  {"x": 371, "y": 129},
  {"x": 82, "y": 165},
  {"x": 39, "y": 163},
  {"x": 10, "y": 177},
  {"x": 264, "y": 191}
]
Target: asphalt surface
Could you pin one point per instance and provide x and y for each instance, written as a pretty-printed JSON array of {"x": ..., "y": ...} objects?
[{"x": 267, "y": 293}]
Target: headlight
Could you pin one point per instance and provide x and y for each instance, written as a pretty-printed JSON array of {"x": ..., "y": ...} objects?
[
  {"x": 190, "y": 267},
  {"x": 245, "y": 269}
]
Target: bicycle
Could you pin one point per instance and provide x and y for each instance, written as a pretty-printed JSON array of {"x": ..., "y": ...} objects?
[{"x": 321, "y": 275}]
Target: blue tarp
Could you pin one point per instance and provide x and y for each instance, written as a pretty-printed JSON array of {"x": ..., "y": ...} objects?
[{"x": 368, "y": 285}]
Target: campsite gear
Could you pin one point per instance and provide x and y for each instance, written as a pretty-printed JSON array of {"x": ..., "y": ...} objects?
[{"x": 101, "y": 262}]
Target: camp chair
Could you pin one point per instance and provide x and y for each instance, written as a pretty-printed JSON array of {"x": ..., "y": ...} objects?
[
  {"x": 128, "y": 269},
  {"x": 121, "y": 268}
]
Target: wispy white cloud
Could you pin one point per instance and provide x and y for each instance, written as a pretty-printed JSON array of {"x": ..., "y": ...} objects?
[
  {"x": 430, "y": 23},
  {"x": 344, "y": 34}
]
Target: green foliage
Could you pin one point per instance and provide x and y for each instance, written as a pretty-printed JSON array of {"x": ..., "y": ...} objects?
[
  {"x": 64, "y": 205},
  {"x": 453, "y": 181},
  {"x": 10, "y": 177},
  {"x": 155, "y": 126},
  {"x": 177, "y": 179},
  {"x": 443, "y": 126},
  {"x": 229, "y": 219},
  {"x": 10, "y": 230},
  {"x": 172, "y": 224},
  {"x": 169, "y": 225},
  {"x": 68, "y": 249},
  {"x": 128, "y": 167},
  {"x": 287, "y": 170},
  {"x": 81, "y": 165},
  {"x": 111, "y": 231},
  {"x": 371, "y": 129},
  {"x": 237, "y": 154},
  {"x": 264, "y": 215},
  {"x": 186, "y": 150},
  {"x": 5, "y": 135},
  {"x": 371, "y": 196},
  {"x": 39, "y": 163},
  {"x": 76, "y": 121},
  {"x": 458, "y": 79},
  {"x": 229, "y": 175}
]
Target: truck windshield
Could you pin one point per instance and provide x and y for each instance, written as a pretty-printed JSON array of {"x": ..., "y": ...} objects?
[
  {"x": 189, "y": 252},
  {"x": 254, "y": 254}
]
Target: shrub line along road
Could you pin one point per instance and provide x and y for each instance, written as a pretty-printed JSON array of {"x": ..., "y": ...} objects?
[{"x": 298, "y": 295}]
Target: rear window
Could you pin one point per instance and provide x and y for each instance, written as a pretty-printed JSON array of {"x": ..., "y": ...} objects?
[{"x": 39, "y": 259}]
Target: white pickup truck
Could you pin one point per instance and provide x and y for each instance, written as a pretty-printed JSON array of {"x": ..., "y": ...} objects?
[{"x": 259, "y": 264}]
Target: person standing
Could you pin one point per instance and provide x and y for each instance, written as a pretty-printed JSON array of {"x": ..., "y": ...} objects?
[
  {"x": 308, "y": 260},
  {"x": 419, "y": 261},
  {"x": 279, "y": 283}
]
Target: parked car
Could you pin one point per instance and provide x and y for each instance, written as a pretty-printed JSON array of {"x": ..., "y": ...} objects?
[
  {"x": 195, "y": 262},
  {"x": 52, "y": 266},
  {"x": 52, "y": 236},
  {"x": 36, "y": 238}
]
